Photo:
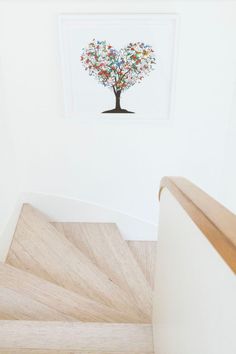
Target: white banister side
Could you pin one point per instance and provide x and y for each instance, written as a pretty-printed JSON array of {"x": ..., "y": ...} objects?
[{"x": 195, "y": 289}]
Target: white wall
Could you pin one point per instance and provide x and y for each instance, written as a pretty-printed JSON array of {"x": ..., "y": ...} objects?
[
  {"x": 195, "y": 290},
  {"x": 117, "y": 165},
  {"x": 228, "y": 183},
  {"x": 8, "y": 185},
  {"x": 8, "y": 177}
]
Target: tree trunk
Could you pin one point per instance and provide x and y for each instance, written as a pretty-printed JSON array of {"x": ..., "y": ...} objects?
[{"x": 118, "y": 107}]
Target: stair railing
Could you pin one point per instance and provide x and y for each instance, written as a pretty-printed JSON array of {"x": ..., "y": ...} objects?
[{"x": 195, "y": 286}]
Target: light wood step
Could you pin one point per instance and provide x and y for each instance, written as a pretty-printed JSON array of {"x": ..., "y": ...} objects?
[
  {"x": 15, "y": 306},
  {"x": 143, "y": 251},
  {"x": 76, "y": 336},
  {"x": 48, "y": 351},
  {"x": 104, "y": 245},
  {"x": 39, "y": 248},
  {"x": 145, "y": 254},
  {"x": 24, "y": 296},
  {"x": 58, "y": 351}
]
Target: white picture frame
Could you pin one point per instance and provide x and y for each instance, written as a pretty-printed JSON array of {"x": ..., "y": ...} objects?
[{"x": 87, "y": 99}]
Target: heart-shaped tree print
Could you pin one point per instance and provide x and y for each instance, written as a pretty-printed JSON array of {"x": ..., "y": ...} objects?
[{"x": 118, "y": 69}]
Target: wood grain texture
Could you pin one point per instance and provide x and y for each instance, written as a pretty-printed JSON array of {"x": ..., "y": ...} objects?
[
  {"x": 143, "y": 251},
  {"x": 48, "y": 351},
  {"x": 145, "y": 254},
  {"x": 216, "y": 222},
  {"x": 16, "y": 306},
  {"x": 106, "y": 248},
  {"x": 76, "y": 336},
  {"x": 39, "y": 248},
  {"x": 24, "y": 296}
]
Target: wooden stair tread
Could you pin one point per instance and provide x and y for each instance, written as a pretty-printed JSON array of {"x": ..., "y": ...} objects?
[
  {"x": 24, "y": 296},
  {"x": 76, "y": 336},
  {"x": 145, "y": 254},
  {"x": 104, "y": 245},
  {"x": 15, "y": 306},
  {"x": 143, "y": 251},
  {"x": 58, "y": 351},
  {"x": 37, "y": 247},
  {"x": 49, "y": 351}
]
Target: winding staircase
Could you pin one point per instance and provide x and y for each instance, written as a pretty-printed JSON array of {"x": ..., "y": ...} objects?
[
  {"x": 75, "y": 288},
  {"x": 80, "y": 288}
]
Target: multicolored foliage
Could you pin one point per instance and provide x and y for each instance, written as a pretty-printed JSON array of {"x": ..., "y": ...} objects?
[{"x": 118, "y": 69}]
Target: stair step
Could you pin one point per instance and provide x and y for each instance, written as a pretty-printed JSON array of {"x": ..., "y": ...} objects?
[
  {"x": 58, "y": 351},
  {"x": 76, "y": 336},
  {"x": 48, "y": 351},
  {"x": 39, "y": 248},
  {"x": 143, "y": 251},
  {"x": 24, "y": 296},
  {"x": 15, "y": 306},
  {"x": 145, "y": 254},
  {"x": 104, "y": 245}
]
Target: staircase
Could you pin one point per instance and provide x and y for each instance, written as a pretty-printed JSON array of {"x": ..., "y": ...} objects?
[{"x": 75, "y": 288}]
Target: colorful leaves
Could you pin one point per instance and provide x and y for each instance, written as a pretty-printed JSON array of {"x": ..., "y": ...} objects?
[{"x": 119, "y": 69}]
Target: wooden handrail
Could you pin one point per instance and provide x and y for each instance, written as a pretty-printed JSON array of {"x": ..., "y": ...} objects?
[{"x": 216, "y": 222}]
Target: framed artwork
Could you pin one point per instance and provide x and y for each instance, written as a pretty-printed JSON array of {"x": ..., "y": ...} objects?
[{"x": 118, "y": 66}]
